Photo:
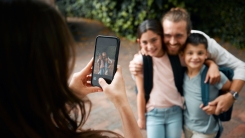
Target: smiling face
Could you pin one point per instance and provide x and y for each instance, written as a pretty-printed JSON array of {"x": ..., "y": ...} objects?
[
  {"x": 195, "y": 56},
  {"x": 104, "y": 55},
  {"x": 175, "y": 35},
  {"x": 151, "y": 43}
]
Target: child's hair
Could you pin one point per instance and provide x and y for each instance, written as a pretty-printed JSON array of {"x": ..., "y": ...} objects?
[
  {"x": 196, "y": 39},
  {"x": 150, "y": 24},
  {"x": 177, "y": 15}
]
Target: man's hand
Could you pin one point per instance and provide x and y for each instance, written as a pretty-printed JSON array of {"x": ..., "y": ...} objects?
[
  {"x": 135, "y": 68},
  {"x": 213, "y": 74},
  {"x": 222, "y": 103},
  {"x": 209, "y": 109}
]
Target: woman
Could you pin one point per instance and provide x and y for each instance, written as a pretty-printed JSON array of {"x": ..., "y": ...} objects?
[{"x": 37, "y": 57}]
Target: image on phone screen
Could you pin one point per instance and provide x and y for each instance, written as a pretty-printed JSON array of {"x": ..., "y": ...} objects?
[{"x": 105, "y": 59}]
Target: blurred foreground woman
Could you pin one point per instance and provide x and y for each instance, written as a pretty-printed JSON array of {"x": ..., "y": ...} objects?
[{"x": 37, "y": 58}]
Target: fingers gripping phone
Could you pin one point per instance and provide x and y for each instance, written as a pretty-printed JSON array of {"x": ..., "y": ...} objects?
[{"x": 105, "y": 58}]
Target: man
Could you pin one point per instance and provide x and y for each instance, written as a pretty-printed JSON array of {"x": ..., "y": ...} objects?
[{"x": 176, "y": 28}]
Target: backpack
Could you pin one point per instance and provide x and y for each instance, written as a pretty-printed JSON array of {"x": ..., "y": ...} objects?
[
  {"x": 226, "y": 116},
  {"x": 178, "y": 72}
]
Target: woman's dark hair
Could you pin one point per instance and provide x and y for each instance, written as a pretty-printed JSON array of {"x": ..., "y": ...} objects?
[
  {"x": 150, "y": 24},
  {"x": 37, "y": 57}
]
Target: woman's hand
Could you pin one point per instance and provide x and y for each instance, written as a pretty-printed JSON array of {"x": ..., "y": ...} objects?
[
  {"x": 81, "y": 82},
  {"x": 117, "y": 94},
  {"x": 116, "y": 90}
]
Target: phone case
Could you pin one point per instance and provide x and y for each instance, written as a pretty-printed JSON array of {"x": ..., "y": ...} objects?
[{"x": 106, "y": 54}]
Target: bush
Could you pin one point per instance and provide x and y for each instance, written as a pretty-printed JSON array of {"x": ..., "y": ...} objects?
[
  {"x": 220, "y": 18},
  {"x": 217, "y": 18}
]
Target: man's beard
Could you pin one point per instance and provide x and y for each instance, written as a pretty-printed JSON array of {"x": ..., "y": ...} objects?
[{"x": 173, "y": 52}]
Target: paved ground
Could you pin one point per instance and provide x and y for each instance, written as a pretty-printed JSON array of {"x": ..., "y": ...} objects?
[{"x": 103, "y": 114}]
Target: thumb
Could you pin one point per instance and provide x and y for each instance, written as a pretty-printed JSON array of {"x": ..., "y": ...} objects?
[
  {"x": 102, "y": 83},
  {"x": 213, "y": 103},
  {"x": 201, "y": 106}
]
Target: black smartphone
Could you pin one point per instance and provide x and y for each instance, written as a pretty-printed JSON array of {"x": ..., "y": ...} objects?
[{"x": 106, "y": 53}]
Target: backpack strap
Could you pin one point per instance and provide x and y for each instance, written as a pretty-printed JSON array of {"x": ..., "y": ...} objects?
[
  {"x": 226, "y": 116},
  {"x": 204, "y": 87},
  {"x": 148, "y": 76},
  {"x": 178, "y": 72},
  {"x": 229, "y": 73}
]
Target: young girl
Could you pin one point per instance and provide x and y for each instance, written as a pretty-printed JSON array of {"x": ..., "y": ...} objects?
[
  {"x": 161, "y": 115},
  {"x": 101, "y": 64}
]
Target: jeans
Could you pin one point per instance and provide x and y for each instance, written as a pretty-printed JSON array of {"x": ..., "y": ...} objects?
[
  {"x": 164, "y": 122},
  {"x": 192, "y": 134},
  {"x": 102, "y": 71}
]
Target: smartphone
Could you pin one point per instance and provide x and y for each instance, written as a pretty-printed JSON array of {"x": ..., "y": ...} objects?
[{"x": 106, "y": 53}]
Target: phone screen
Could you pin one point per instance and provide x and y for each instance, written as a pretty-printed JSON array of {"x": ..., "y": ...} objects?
[{"x": 105, "y": 59}]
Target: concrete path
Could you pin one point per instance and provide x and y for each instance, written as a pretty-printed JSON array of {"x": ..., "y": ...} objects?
[{"x": 103, "y": 113}]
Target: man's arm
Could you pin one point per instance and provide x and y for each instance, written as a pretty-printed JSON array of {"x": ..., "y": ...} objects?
[
  {"x": 224, "y": 102},
  {"x": 213, "y": 74},
  {"x": 135, "y": 68},
  {"x": 109, "y": 60}
]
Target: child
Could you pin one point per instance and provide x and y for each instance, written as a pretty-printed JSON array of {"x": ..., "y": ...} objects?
[
  {"x": 198, "y": 120},
  {"x": 101, "y": 64},
  {"x": 162, "y": 114},
  {"x": 107, "y": 62},
  {"x": 107, "y": 65}
]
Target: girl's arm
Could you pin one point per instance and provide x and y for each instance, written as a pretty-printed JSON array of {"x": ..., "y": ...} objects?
[{"x": 141, "y": 105}]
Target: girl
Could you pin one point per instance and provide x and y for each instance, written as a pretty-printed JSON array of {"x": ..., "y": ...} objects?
[{"x": 161, "y": 115}]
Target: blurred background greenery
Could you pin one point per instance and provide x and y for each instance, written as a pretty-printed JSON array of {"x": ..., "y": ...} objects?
[{"x": 224, "y": 19}]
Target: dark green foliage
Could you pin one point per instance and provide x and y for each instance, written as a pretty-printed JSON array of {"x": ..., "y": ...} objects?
[
  {"x": 217, "y": 18},
  {"x": 220, "y": 18}
]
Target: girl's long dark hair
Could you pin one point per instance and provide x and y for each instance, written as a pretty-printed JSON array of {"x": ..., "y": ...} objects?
[
  {"x": 36, "y": 59},
  {"x": 150, "y": 24},
  {"x": 153, "y": 25}
]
